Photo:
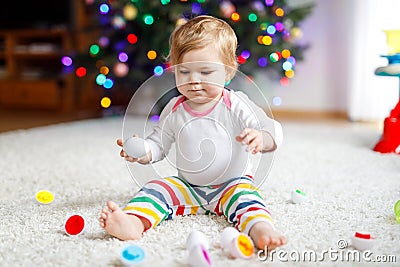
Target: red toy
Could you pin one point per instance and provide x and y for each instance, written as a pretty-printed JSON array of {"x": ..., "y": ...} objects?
[
  {"x": 74, "y": 225},
  {"x": 390, "y": 141}
]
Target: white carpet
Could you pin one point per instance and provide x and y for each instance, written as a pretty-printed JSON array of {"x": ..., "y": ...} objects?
[{"x": 350, "y": 188}]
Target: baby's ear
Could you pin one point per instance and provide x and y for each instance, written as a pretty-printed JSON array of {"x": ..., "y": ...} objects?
[{"x": 230, "y": 73}]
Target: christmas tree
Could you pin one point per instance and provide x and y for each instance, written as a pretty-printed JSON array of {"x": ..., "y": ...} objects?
[{"x": 135, "y": 34}]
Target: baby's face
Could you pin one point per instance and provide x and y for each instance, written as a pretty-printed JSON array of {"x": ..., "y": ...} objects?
[{"x": 201, "y": 75}]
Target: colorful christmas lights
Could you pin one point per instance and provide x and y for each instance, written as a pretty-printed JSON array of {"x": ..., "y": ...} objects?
[{"x": 270, "y": 45}]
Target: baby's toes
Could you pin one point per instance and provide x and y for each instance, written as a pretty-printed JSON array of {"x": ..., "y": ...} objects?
[
  {"x": 283, "y": 240},
  {"x": 104, "y": 213}
]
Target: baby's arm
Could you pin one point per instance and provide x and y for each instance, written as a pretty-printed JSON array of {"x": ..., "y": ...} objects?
[
  {"x": 258, "y": 131},
  {"x": 142, "y": 160},
  {"x": 256, "y": 141}
]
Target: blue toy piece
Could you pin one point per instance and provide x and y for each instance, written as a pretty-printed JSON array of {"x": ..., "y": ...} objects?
[{"x": 132, "y": 255}]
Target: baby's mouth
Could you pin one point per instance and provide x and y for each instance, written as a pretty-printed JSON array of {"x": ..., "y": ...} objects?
[{"x": 195, "y": 90}]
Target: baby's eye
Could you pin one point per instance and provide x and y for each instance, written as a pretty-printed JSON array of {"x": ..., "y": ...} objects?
[
  {"x": 184, "y": 72},
  {"x": 206, "y": 72}
]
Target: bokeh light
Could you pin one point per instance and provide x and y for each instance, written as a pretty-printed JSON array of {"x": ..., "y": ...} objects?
[
  {"x": 267, "y": 40},
  {"x": 155, "y": 118},
  {"x": 287, "y": 65},
  {"x": 284, "y": 81},
  {"x": 66, "y": 61},
  {"x": 151, "y": 54},
  {"x": 130, "y": 12},
  {"x": 263, "y": 26},
  {"x": 121, "y": 69},
  {"x": 104, "y": 70},
  {"x": 196, "y": 8},
  {"x": 105, "y": 102},
  {"x": 277, "y": 101},
  {"x": 279, "y": 26},
  {"x": 296, "y": 33},
  {"x": 235, "y": 17},
  {"x": 118, "y": 22},
  {"x": 271, "y": 29},
  {"x": 100, "y": 79},
  {"x": 132, "y": 38},
  {"x": 158, "y": 71},
  {"x": 148, "y": 19},
  {"x": 245, "y": 54},
  {"x": 262, "y": 62},
  {"x": 252, "y": 17},
  {"x": 269, "y": 2},
  {"x": 80, "y": 72},
  {"x": 99, "y": 63},
  {"x": 274, "y": 57},
  {"x": 123, "y": 57},
  {"x": 108, "y": 83},
  {"x": 279, "y": 12},
  {"x": 286, "y": 53},
  {"x": 241, "y": 60},
  {"x": 104, "y": 8},
  {"x": 289, "y": 73},
  {"x": 104, "y": 41},
  {"x": 180, "y": 21},
  {"x": 292, "y": 60},
  {"x": 94, "y": 49}
]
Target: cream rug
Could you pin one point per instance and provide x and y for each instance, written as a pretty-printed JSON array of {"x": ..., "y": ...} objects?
[{"x": 349, "y": 188}]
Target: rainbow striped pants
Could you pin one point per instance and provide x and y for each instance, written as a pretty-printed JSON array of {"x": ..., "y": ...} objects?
[{"x": 237, "y": 199}]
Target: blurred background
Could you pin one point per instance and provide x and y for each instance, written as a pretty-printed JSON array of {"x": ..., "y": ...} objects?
[{"x": 75, "y": 59}]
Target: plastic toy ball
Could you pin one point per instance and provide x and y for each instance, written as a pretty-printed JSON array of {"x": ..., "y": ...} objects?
[
  {"x": 136, "y": 147},
  {"x": 362, "y": 241},
  {"x": 227, "y": 235},
  {"x": 199, "y": 257},
  {"x": 196, "y": 238},
  {"x": 132, "y": 255},
  {"x": 397, "y": 211},
  {"x": 44, "y": 197},
  {"x": 74, "y": 225},
  {"x": 298, "y": 196},
  {"x": 242, "y": 247},
  {"x": 239, "y": 245},
  {"x": 197, "y": 245}
]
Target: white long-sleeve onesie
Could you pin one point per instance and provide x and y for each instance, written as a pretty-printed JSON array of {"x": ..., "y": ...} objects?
[{"x": 207, "y": 152}]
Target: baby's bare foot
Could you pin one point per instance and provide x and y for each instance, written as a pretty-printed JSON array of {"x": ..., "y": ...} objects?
[
  {"x": 265, "y": 237},
  {"x": 119, "y": 224}
]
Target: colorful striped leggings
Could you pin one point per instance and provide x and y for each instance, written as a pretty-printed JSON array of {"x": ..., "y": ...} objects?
[{"x": 237, "y": 199}]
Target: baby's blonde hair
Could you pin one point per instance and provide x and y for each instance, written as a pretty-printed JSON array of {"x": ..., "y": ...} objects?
[{"x": 200, "y": 32}]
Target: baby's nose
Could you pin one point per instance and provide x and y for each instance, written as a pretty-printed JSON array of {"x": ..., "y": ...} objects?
[{"x": 195, "y": 78}]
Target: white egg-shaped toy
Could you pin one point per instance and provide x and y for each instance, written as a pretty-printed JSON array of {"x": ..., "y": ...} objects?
[
  {"x": 196, "y": 238},
  {"x": 298, "y": 196},
  {"x": 362, "y": 241},
  {"x": 199, "y": 257},
  {"x": 242, "y": 247},
  {"x": 227, "y": 235},
  {"x": 136, "y": 147}
]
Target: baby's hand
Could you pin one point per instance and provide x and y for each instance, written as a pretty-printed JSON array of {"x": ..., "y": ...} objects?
[
  {"x": 252, "y": 138},
  {"x": 256, "y": 141},
  {"x": 143, "y": 160}
]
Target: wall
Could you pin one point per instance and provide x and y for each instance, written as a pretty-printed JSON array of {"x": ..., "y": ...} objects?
[{"x": 324, "y": 80}]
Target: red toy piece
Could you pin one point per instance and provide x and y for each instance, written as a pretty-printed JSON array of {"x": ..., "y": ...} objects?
[
  {"x": 362, "y": 235},
  {"x": 74, "y": 225},
  {"x": 390, "y": 141}
]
